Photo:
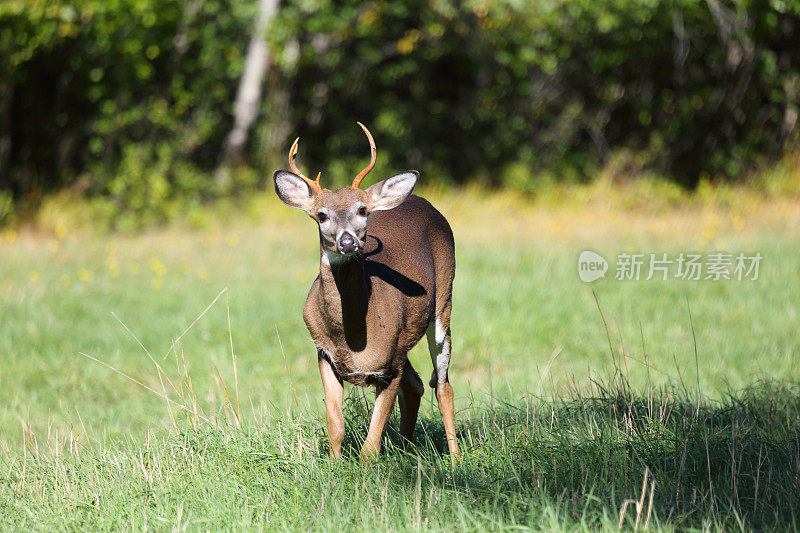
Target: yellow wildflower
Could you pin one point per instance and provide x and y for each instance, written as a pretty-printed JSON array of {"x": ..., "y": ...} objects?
[
  {"x": 232, "y": 239},
  {"x": 157, "y": 266},
  {"x": 60, "y": 231}
]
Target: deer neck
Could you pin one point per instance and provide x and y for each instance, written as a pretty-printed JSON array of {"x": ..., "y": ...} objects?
[{"x": 346, "y": 295}]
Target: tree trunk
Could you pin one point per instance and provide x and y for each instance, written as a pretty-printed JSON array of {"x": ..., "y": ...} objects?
[
  {"x": 248, "y": 97},
  {"x": 6, "y": 96}
]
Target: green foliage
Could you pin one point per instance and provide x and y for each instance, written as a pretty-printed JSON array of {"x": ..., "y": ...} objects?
[
  {"x": 151, "y": 184},
  {"x": 465, "y": 90},
  {"x": 7, "y": 210},
  {"x": 506, "y": 92},
  {"x": 134, "y": 94}
]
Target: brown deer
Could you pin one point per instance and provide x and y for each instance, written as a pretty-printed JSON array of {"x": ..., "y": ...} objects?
[{"x": 387, "y": 261}]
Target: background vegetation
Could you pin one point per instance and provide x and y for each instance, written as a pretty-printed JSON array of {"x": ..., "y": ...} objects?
[
  {"x": 130, "y": 101},
  {"x": 637, "y": 126}
]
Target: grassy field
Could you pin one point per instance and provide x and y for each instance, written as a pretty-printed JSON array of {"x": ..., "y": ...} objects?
[{"x": 667, "y": 403}]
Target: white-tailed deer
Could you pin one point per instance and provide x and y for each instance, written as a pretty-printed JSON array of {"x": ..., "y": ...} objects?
[{"x": 387, "y": 261}]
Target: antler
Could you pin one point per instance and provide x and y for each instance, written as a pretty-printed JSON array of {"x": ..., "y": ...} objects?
[
  {"x": 373, "y": 154},
  {"x": 292, "y": 153}
]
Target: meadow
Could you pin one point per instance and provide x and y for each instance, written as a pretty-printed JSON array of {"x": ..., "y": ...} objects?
[{"x": 666, "y": 404}]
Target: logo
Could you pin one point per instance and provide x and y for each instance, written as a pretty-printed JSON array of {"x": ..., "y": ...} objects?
[{"x": 591, "y": 266}]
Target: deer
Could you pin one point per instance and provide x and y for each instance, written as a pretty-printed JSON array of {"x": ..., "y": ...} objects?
[{"x": 387, "y": 263}]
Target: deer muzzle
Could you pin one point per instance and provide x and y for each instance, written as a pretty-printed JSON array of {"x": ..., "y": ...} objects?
[{"x": 347, "y": 243}]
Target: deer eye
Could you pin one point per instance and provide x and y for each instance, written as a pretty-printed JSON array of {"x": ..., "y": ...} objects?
[
  {"x": 362, "y": 211},
  {"x": 322, "y": 217}
]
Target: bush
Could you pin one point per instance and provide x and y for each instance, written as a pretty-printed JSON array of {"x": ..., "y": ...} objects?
[
  {"x": 7, "y": 210},
  {"x": 701, "y": 88},
  {"x": 137, "y": 95},
  {"x": 95, "y": 83}
]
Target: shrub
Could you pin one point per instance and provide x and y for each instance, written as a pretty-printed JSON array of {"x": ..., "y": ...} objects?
[
  {"x": 701, "y": 88},
  {"x": 137, "y": 95}
]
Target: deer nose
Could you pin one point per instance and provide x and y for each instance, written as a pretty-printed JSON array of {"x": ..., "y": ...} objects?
[{"x": 347, "y": 243}]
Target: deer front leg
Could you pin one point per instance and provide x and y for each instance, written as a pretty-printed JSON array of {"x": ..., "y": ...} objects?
[
  {"x": 385, "y": 396},
  {"x": 334, "y": 397}
]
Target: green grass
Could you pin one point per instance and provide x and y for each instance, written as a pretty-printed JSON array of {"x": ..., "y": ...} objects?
[
  {"x": 573, "y": 463},
  {"x": 559, "y": 415}
]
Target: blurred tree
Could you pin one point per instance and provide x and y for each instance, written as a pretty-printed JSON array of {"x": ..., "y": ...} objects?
[
  {"x": 515, "y": 92},
  {"x": 248, "y": 97},
  {"x": 130, "y": 100},
  {"x": 135, "y": 101}
]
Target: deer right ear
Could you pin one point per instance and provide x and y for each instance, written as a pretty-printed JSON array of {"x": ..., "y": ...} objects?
[{"x": 293, "y": 190}]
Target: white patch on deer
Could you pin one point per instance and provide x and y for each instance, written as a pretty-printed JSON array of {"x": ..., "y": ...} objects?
[
  {"x": 332, "y": 258},
  {"x": 440, "y": 332},
  {"x": 443, "y": 361},
  {"x": 439, "y": 347}
]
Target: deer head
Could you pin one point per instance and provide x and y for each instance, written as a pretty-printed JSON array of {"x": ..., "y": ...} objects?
[{"x": 342, "y": 214}]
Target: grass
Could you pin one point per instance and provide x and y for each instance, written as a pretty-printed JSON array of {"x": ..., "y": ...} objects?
[
  {"x": 688, "y": 394},
  {"x": 603, "y": 458}
]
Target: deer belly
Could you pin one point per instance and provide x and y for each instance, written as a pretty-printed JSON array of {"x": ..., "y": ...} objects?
[{"x": 363, "y": 368}]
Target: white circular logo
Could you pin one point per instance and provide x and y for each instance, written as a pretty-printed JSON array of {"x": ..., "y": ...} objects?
[{"x": 591, "y": 266}]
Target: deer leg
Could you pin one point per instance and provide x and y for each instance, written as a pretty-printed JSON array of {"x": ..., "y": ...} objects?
[
  {"x": 444, "y": 396},
  {"x": 334, "y": 397},
  {"x": 385, "y": 396},
  {"x": 410, "y": 395},
  {"x": 438, "y": 335}
]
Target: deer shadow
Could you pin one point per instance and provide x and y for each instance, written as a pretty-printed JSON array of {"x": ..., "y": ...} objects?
[
  {"x": 737, "y": 457},
  {"x": 374, "y": 268}
]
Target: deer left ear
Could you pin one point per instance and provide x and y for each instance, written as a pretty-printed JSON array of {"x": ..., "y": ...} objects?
[{"x": 391, "y": 192}]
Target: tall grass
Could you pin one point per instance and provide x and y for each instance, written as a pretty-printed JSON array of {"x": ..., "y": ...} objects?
[
  {"x": 607, "y": 457},
  {"x": 658, "y": 405}
]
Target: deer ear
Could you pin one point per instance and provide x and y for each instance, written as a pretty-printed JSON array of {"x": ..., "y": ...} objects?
[
  {"x": 293, "y": 190},
  {"x": 391, "y": 192}
]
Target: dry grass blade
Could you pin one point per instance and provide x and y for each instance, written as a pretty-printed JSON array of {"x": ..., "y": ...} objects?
[
  {"x": 161, "y": 374},
  {"x": 286, "y": 367},
  {"x": 233, "y": 362},
  {"x": 196, "y": 320},
  {"x": 162, "y": 396}
]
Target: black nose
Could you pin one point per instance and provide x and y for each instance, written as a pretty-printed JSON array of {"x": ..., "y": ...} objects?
[{"x": 347, "y": 243}]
